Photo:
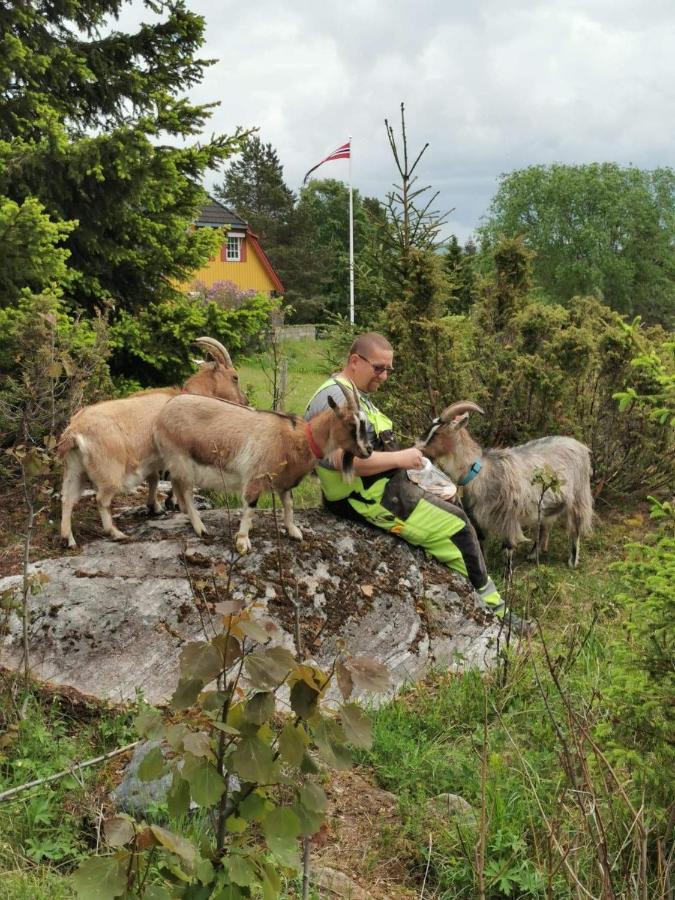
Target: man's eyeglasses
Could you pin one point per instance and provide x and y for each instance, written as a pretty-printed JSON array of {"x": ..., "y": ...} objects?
[{"x": 377, "y": 369}]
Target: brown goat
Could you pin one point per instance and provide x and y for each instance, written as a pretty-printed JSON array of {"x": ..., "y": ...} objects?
[
  {"x": 207, "y": 443},
  {"x": 110, "y": 443}
]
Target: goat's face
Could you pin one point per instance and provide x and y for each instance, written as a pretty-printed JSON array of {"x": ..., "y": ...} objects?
[
  {"x": 447, "y": 438},
  {"x": 350, "y": 430},
  {"x": 226, "y": 385},
  {"x": 218, "y": 378}
]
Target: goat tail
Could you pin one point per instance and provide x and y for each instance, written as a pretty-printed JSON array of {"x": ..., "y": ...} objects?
[
  {"x": 67, "y": 442},
  {"x": 581, "y": 513}
]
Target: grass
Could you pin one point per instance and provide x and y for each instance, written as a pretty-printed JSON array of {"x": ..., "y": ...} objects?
[
  {"x": 309, "y": 364},
  {"x": 45, "y": 831},
  {"x": 531, "y": 737}
]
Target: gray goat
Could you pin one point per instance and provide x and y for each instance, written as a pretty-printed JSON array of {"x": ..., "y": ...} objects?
[{"x": 499, "y": 495}]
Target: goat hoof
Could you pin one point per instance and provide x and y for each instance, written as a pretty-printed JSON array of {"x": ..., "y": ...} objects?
[
  {"x": 69, "y": 543},
  {"x": 119, "y": 536},
  {"x": 243, "y": 544},
  {"x": 295, "y": 533}
]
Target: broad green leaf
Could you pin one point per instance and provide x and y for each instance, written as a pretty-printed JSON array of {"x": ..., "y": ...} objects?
[
  {"x": 228, "y": 729},
  {"x": 212, "y": 701},
  {"x": 308, "y": 766},
  {"x": 200, "y": 660},
  {"x": 260, "y": 708},
  {"x": 236, "y": 824},
  {"x": 175, "y": 844},
  {"x": 357, "y": 726},
  {"x": 228, "y": 892},
  {"x": 241, "y": 871},
  {"x": 204, "y": 871},
  {"x": 118, "y": 831},
  {"x": 254, "y": 807},
  {"x": 368, "y": 673},
  {"x": 100, "y": 878},
  {"x": 148, "y": 723},
  {"x": 175, "y": 734},
  {"x": 268, "y": 668},
  {"x": 253, "y": 630},
  {"x": 190, "y": 763},
  {"x": 281, "y": 828},
  {"x": 313, "y": 797},
  {"x": 206, "y": 784},
  {"x": 198, "y": 743},
  {"x": 271, "y": 882},
  {"x": 330, "y": 740},
  {"x": 186, "y": 693},
  {"x": 303, "y": 699},
  {"x": 292, "y": 743},
  {"x": 178, "y": 797},
  {"x": 310, "y": 822},
  {"x": 229, "y": 648},
  {"x": 152, "y": 765},
  {"x": 253, "y": 760}
]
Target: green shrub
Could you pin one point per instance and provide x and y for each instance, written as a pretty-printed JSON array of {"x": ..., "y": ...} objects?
[
  {"x": 51, "y": 362},
  {"x": 154, "y": 345}
]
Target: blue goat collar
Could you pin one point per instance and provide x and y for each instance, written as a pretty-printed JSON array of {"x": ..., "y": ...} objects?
[{"x": 471, "y": 474}]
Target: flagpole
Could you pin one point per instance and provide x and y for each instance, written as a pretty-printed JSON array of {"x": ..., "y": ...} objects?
[{"x": 351, "y": 239}]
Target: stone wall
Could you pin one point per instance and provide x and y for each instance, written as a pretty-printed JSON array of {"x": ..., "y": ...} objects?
[{"x": 295, "y": 333}]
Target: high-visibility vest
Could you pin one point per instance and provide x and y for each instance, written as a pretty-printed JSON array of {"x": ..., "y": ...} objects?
[{"x": 332, "y": 484}]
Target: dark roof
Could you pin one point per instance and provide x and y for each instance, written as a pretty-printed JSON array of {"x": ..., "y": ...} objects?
[{"x": 214, "y": 213}]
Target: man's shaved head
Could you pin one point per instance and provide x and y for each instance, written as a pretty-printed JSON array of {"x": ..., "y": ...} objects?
[{"x": 371, "y": 342}]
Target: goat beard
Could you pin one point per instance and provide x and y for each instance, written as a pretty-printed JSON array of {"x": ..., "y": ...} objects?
[{"x": 347, "y": 466}]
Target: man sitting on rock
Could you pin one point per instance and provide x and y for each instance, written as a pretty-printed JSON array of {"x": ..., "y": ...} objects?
[{"x": 383, "y": 494}]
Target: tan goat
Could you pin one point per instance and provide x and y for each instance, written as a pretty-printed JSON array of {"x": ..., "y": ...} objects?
[
  {"x": 208, "y": 443},
  {"x": 110, "y": 444}
]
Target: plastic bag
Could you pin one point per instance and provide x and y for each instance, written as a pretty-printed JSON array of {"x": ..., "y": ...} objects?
[{"x": 432, "y": 480}]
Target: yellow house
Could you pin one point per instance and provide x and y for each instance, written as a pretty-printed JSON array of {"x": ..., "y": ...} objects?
[{"x": 240, "y": 259}]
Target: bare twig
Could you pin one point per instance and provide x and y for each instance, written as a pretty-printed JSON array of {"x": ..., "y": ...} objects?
[
  {"x": 306, "y": 848},
  {"x": 426, "y": 871},
  {"x": 5, "y": 795}
]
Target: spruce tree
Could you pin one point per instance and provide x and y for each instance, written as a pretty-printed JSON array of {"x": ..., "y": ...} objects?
[
  {"x": 254, "y": 187},
  {"x": 95, "y": 125}
]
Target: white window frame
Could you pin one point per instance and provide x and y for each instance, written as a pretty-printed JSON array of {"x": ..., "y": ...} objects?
[{"x": 233, "y": 253}]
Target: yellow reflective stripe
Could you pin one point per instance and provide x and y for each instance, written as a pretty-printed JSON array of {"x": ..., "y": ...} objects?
[{"x": 377, "y": 419}]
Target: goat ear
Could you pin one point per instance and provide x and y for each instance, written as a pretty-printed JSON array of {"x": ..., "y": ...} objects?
[
  {"x": 347, "y": 465},
  {"x": 459, "y": 421},
  {"x": 215, "y": 350},
  {"x": 333, "y": 405}
]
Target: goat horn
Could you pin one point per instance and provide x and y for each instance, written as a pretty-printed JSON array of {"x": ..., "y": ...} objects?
[
  {"x": 458, "y": 409},
  {"x": 348, "y": 394},
  {"x": 216, "y": 349},
  {"x": 357, "y": 396}
]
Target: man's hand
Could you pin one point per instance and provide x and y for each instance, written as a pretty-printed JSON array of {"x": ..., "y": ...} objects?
[{"x": 412, "y": 458}]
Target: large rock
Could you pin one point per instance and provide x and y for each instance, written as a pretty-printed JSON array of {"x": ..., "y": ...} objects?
[{"x": 112, "y": 618}]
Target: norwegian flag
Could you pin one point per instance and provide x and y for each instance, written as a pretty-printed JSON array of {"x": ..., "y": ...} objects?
[{"x": 343, "y": 152}]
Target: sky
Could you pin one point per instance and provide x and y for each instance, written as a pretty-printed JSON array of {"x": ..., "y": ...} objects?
[{"x": 492, "y": 85}]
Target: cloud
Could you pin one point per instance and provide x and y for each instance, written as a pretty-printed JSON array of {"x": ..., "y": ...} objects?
[{"x": 492, "y": 86}]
